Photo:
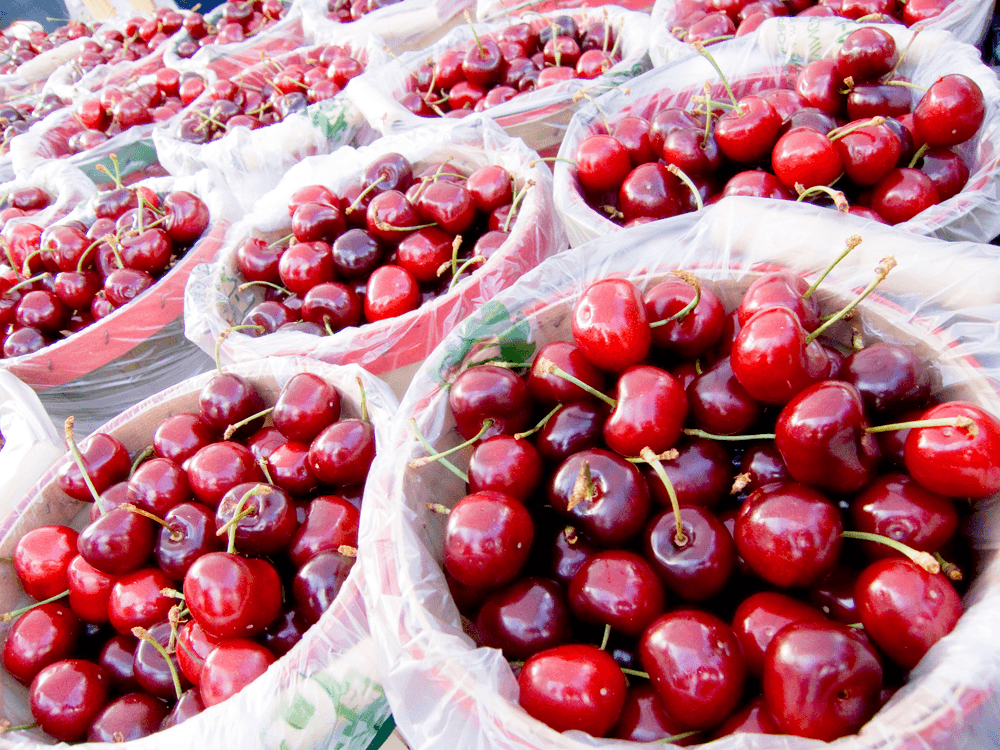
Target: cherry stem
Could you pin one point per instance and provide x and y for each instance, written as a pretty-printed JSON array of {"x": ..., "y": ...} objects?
[
  {"x": 231, "y": 430},
  {"x": 916, "y": 30},
  {"x": 682, "y": 176},
  {"x": 852, "y": 242},
  {"x": 104, "y": 170},
  {"x": 692, "y": 280},
  {"x": 700, "y": 49},
  {"x": 26, "y": 267},
  {"x": 444, "y": 461},
  {"x": 635, "y": 673},
  {"x": 270, "y": 284},
  {"x": 175, "y": 534},
  {"x": 143, "y": 635},
  {"x": 229, "y": 527},
  {"x": 924, "y": 559},
  {"x": 423, "y": 461},
  {"x": 8, "y": 616},
  {"x": 839, "y": 199},
  {"x": 85, "y": 253},
  {"x": 387, "y": 227},
  {"x": 680, "y": 538},
  {"x": 18, "y": 728},
  {"x": 606, "y": 637},
  {"x": 27, "y": 282},
  {"x": 143, "y": 455},
  {"x": 278, "y": 241},
  {"x": 919, "y": 155},
  {"x": 881, "y": 272},
  {"x": 441, "y": 510},
  {"x": 468, "y": 20},
  {"x": 222, "y": 337},
  {"x": 453, "y": 262},
  {"x": 677, "y": 737},
  {"x": 174, "y": 618},
  {"x": 838, "y": 133},
  {"x": 262, "y": 463},
  {"x": 907, "y": 84},
  {"x": 515, "y": 204},
  {"x": 550, "y": 367},
  {"x": 583, "y": 488},
  {"x": 951, "y": 571},
  {"x": 692, "y": 432},
  {"x": 714, "y": 39},
  {"x": 68, "y": 430},
  {"x": 474, "y": 260},
  {"x": 544, "y": 420},
  {"x": 964, "y": 422}
]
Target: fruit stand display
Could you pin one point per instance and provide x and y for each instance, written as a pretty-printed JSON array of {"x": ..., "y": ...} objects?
[
  {"x": 424, "y": 292},
  {"x": 587, "y": 50},
  {"x": 441, "y": 680},
  {"x": 323, "y": 687},
  {"x": 771, "y": 59}
]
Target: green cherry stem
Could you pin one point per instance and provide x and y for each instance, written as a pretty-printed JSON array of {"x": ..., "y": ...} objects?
[
  {"x": 8, "y": 616},
  {"x": 700, "y": 49},
  {"x": 852, "y": 242},
  {"x": 143, "y": 455},
  {"x": 239, "y": 513},
  {"x": 423, "y": 461},
  {"x": 444, "y": 461},
  {"x": 881, "y": 272},
  {"x": 961, "y": 421},
  {"x": 547, "y": 365},
  {"x": 143, "y": 635},
  {"x": 680, "y": 538},
  {"x": 231, "y": 430},
  {"x": 78, "y": 458},
  {"x": 924, "y": 559},
  {"x": 544, "y": 420},
  {"x": 692, "y": 281},
  {"x": 693, "y": 432},
  {"x": 682, "y": 176}
]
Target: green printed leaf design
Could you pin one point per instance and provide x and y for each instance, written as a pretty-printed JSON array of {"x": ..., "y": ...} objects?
[
  {"x": 298, "y": 713},
  {"x": 328, "y": 128},
  {"x": 493, "y": 324}
]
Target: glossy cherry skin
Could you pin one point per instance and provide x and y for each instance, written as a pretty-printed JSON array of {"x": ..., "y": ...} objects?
[
  {"x": 644, "y": 719},
  {"x": 41, "y": 636},
  {"x": 822, "y": 437},
  {"x": 107, "y": 462},
  {"x": 528, "y": 616},
  {"x": 952, "y": 461},
  {"x": 821, "y": 680},
  {"x": 117, "y": 658},
  {"x": 41, "y": 559},
  {"x": 701, "y": 474},
  {"x": 747, "y": 132},
  {"x": 866, "y": 54},
  {"x": 760, "y": 617},
  {"x": 230, "y": 667},
  {"x": 699, "y": 328},
  {"x": 950, "y": 111},
  {"x": 617, "y": 588},
  {"x": 89, "y": 590},
  {"x": 151, "y": 669},
  {"x": 947, "y": 170},
  {"x": 67, "y": 696},
  {"x": 573, "y": 686},
  {"x": 487, "y": 539},
  {"x": 507, "y": 465},
  {"x": 180, "y": 436},
  {"x": 902, "y": 194},
  {"x": 751, "y": 718},
  {"x": 305, "y": 406},
  {"x": 230, "y": 596},
  {"x": 789, "y": 534},
  {"x": 894, "y": 505},
  {"x": 227, "y": 399},
  {"x": 137, "y": 599},
  {"x": 905, "y": 609},
  {"x": 868, "y": 152},
  {"x": 549, "y": 389},
  {"x": 890, "y": 378},
  {"x": 271, "y": 525},
  {"x": 602, "y": 494},
  {"x": 575, "y": 427},
  {"x": 190, "y": 704},
  {"x": 489, "y": 392},
  {"x": 218, "y": 467},
  {"x": 189, "y": 534},
  {"x": 342, "y": 454},
  {"x": 602, "y": 164},
  {"x": 650, "y": 412},
  {"x": 719, "y": 404},
  {"x": 331, "y": 522},
  {"x": 610, "y": 325},
  {"x": 696, "y": 666},
  {"x": 130, "y": 717},
  {"x": 318, "y": 582},
  {"x": 284, "y": 632},
  {"x": 700, "y": 567},
  {"x": 118, "y": 542},
  {"x": 806, "y": 157}
]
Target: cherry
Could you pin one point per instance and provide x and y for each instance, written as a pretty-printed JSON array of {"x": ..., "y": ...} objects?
[
  {"x": 447, "y": 204},
  {"x": 602, "y": 163},
  {"x": 650, "y": 191},
  {"x": 284, "y": 632},
  {"x": 950, "y": 111},
  {"x": 644, "y": 719},
  {"x": 650, "y": 411},
  {"x": 117, "y": 658},
  {"x": 158, "y": 485},
  {"x": 67, "y": 696},
  {"x": 698, "y": 567},
  {"x": 180, "y": 436},
  {"x": 820, "y": 85},
  {"x": 895, "y": 506},
  {"x": 152, "y": 671},
  {"x": 227, "y": 399},
  {"x": 305, "y": 265},
  {"x": 752, "y": 718},
  {"x": 107, "y": 461},
  {"x": 821, "y": 680},
  {"x": 692, "y": 332},
  {"x": 342, "y": 454},
  {"x": 902, "y": 194},
  {"x": 130, "y": 717},
  {"x": 719, "y": 404},
  {"x": 747, "y": 132},
  {"x": 424, "y": 252},
  {"x": 218, "y": 467},
  {"x": 230, "y": 667},
  {"x": 696, "y": 665},
  {"x": 230, "y": 596},
  {"x": 573, "y": 686},
  {"x": 700, "y": 474},
  {"x": 137, "y": 599},
  {"x": 193, "y": 645},
  {"x": 41, "y": 559},
  {"x": 507, "y": 465},
  {"x": 890, "y": 378},
  {"x": 305, "y": 406},
  {"x": 318, "y": 582},
  {"x": 806, "y": 157},
  {"x": 550, "y": 389},
  {"x": 331, "y": 523},
  {"x": 955, "y": 461},
  {"x": 760, "y": 617},
  {"x": 528, "y": 616},
  {"x": 619, "y": 589},
  {"x": 270, "y": 524},
  {"x": 489, "y": 392},
  {"x": 392, "y": 291},
  {"x": 789, "y": 534},
  {"x": 603, "y": 494},
  {"x": 610, "y": 325},
  {"x": 866, "y": 54},
  {"x": 823, "y": 438},
  {"x": 868, "y": 152},
  {"x": 190, "y": 704},
  {"x": 118, "y": 542},
  {"x": 487, "y": 539},
  {"x": 947, "y": 170},
  {"x": 89, "y": 590},
  {"x": 41, "y": 636}
]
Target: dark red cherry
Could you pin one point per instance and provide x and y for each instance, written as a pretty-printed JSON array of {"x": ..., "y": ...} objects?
[
  {"x": 151, "y": 670},
  {"x": 889, "y": 377},
  {"x": 528, "y": 616},
  {"x": 760, "y": 617},
  {"x": 306, "y": 405},
  {"x": 507, "y": 465},
  {"x": 617, "y": 588},
  {"x": 130, "y": 717},
  {"x": 270, "y": 525},
  {"x": 644, "y": 719},
  {"x": 318, "y": 582},
  {"x": 487, "y": 539},
  {"x": 331, "y": 522},
  {"x": 489, "y": 392}
]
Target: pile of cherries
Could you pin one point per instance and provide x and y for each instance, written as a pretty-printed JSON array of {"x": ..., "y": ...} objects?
[
  {"x": 62, "y": 278},
  {"x": 238, "y": 20},
  {"x": 115, "y": 109},
  {"x": 703, "y": 489},
  {"x": 713, "y": 21},
  {"x": 255, "y": 524},
  {"x": 345, "y": 11},
  {"x": 270, "y": 91},
  {"x": 395, "y": 239},
  {"x": 17, "y": 115},
  {"x": 496, "y": 67},
  {"x": 15, "y": 51},
  {"x": 844, "y": 121}
]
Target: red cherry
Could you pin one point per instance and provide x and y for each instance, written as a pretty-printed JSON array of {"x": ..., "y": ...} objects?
[
  {"x": 602, "y": 164},
  {"x": 699, "y": 568},
  {"x": 902, "y": 194},
  {"x": 137, "y": 600},
  {"x": 575, "y": 686},
  {"x": 67, "y": 696},
  {"x": 806, "y": 157},
  {"x": 41, "y": 559},
  {"x": 617, "y": 588},
  {"x": 650, "y": 411},
  {"x": 528, "y": 616},
  {"x": 489, "y": 392},
  {"x": 760, "y": 617},
  {"x": 130, "y": 717},
  {"x": 41, "y": 636},
  {"x": 487, "y": 539},
  {"x": 748, "y": 132},
  {"x": 610, "y": 325},
  {"x": 950, "y": 111},
  {"x": 230, "y": 667},
  {"x": 392, "y": 291}
]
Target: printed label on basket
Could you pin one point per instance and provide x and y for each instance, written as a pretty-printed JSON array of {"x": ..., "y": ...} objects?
[
  {"x": 132, "y": 158},
  {"x": 803, "y": 44}
]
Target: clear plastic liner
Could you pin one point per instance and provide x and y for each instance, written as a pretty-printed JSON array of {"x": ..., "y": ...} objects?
[
  {"x": 31, "y": 443},
  {"x": 760, "y": 61},
  {"x": 395, "y": 347},
  {"x": 325, "y": 692},
  {"x": 447, "y": 693}
]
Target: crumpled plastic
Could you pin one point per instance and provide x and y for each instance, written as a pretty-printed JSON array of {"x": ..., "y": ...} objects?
[
  {"x": 31, "y": 443},
  {"x": 325, "y": 692},
  {"x": 538, "y": 117},
  {"x": 395, "y": 347},
  {"x": 758, "y": 62},
  {"x": 447, "y": 693}
]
